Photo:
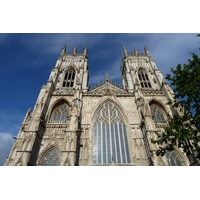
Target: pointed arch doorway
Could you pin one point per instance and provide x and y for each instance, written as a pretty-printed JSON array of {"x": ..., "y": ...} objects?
[{"x": 110, "y": 137}]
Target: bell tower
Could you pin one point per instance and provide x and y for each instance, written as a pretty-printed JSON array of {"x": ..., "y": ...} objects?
[
  {"x": 73, "y": 70},
  {"x": 140, "y": 69},
  {"x": 142, "y": 78},
  {"x": 52, "y": 129}
]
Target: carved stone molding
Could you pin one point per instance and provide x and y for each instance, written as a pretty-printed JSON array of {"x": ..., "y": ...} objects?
[
  {"x": 153, "y": 93},
  {"x": 107, "y": 90},
  {"x": 61, "y": 92}
]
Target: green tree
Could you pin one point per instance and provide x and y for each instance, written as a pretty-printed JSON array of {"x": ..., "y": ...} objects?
[{"x": 184, "y": 127}]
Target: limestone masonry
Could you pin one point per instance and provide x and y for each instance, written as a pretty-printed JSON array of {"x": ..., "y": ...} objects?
[{"x": 107, "y": 124}]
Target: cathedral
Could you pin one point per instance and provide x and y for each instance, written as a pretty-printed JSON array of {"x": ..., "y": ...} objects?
[{"x": 73, "y": 124}]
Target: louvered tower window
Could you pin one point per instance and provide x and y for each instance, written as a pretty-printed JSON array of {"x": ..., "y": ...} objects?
[
  {"x": 144, "y": 79},
  {"x": 69, "y": 78},
  {"x": 60, "y": 113},
  {"x": 110, "y": 137}
]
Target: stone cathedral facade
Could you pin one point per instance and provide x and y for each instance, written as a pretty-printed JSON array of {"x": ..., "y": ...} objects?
[{"x": 107, "y": 124}]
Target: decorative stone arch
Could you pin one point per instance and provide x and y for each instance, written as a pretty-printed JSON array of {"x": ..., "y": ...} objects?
[
  {"x": 112, "y": 100},
  {"x": 53, "y": 143},
  {"x": 55, "y": 104},
  {"x": 181, "y": 156},
  {"x": 46, "y": 153},
  {"x": 158, "y": 112},
  {"x": 114, "y": 128},
  {"x": 158, "y": 102},
  {"x": 70, "y": 66}
]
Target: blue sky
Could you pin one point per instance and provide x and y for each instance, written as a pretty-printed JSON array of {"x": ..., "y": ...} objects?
[{"x": 26, "y": 61}]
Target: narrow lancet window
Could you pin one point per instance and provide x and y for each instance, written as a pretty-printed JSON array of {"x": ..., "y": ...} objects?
[
  {"x": 110, "y": 137},
  {"x": 144, "y": 80},
  {"x": 69, "y": 78}
]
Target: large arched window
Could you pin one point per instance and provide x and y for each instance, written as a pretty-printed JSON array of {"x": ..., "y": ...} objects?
[
  {"x": 143, "y": 77},
  {"x": 69, "y": 78},
  {"x": 157, "y": 113},
  {"x": 50, "y": 158},
  {"x": 174, "y": 159},
  {"x": 110, "y": 138},
  {"x": 60, "y": 113}
]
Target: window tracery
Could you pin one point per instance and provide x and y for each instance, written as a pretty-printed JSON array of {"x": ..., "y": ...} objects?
[
  {"x": 174, "y": 159},
  {"x": 51, "y": 158},
  {"x": 69, "y": 78},
  {"x": 144, "y": 79},
  {"x": 60, "y": 113},
  {"x": 157, "y": 113},
  {"x": 110, "y": 138}
]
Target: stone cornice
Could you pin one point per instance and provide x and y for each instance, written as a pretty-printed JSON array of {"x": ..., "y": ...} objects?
[
  {"x": 61, "y": 92},
  {"x": 153, "y": 93}
]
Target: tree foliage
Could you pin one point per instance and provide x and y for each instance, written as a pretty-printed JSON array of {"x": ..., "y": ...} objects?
[{"x": 184, "y": 127}]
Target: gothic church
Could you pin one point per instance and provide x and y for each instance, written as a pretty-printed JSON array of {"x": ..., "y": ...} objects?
[{"x": 107, "y": 124}]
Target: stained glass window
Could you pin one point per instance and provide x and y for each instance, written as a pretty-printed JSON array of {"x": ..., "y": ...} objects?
[
  {"x": 173, "y": 159},
  {"x": 50, "y": 158},
  {"x": 110, "y": 138},
  {"x": 69, "y": 78},
  {"x": 157, "y": 113},
  {"x": 60, "y": 113},
  {"x": 143, "y": 77}
]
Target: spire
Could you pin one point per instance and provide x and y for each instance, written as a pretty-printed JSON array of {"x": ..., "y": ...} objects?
[
  {"x": 125, "y": 51},
  {"x": 147, "y": 51},
  {"x": 135, "y": 51},
  {"x": 63, "y": 50}
]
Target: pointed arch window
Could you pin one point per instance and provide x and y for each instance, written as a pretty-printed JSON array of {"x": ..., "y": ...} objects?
[
  {"x": 110, "y": 138},
  {"x": 51, "y": 158},
  {"x": 144, "y": 79},
  {"x": 158, "y": 115},
  {"x": 60, "y": 113},
  {"x": 174, "y": 159},
  {"x": 69, "y": 78}
]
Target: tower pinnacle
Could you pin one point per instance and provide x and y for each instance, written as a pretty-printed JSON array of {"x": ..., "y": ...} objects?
[
  {"x": 63, "y": 50},
  {"x": 147, "y": 51},
  {"x": 107, "y": 77},
  {"x": 125, "y": 51}
]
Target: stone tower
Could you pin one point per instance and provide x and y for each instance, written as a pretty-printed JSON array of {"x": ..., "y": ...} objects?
[{"x": 106, "y": 124}]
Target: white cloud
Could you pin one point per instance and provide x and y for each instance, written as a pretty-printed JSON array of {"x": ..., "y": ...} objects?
[
  {"x": 6, "y": 142},
  {"x": 168, "y": 50}
]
